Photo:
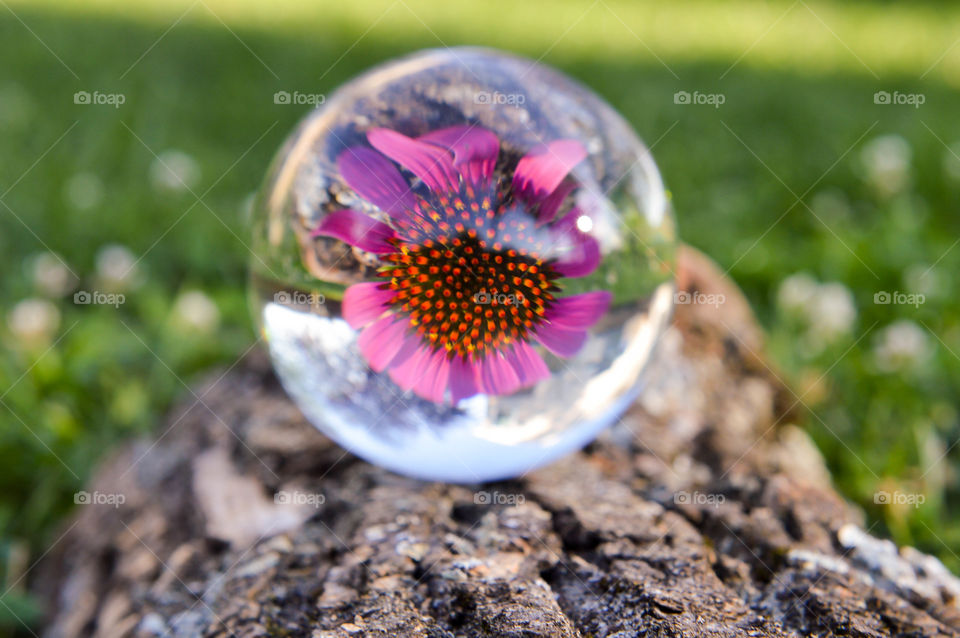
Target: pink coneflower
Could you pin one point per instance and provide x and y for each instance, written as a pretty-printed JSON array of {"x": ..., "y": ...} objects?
[{"x": 472, "y": 261}]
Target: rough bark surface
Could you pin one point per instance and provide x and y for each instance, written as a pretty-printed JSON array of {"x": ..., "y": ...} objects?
[{"x": 705, "y": 512}]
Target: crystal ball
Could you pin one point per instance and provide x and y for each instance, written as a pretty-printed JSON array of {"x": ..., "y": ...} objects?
[{"x": 462, "y": 263}]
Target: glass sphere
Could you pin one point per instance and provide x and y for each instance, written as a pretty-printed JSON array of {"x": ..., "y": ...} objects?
[{"x": 463, "y": 260}]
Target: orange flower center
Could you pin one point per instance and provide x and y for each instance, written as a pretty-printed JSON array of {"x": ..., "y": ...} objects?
[{"x": 467, "y": 271}]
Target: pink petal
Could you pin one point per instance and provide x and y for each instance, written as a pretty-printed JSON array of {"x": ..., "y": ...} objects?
[
  {"x": 528, "y": 363},
  {"x": 497, "y": 376},
  {"x": 581, "y": 260},
  {"x": 410, "y": 345},
  {"x": 362, "y": 303},
  {"x": 357, "y": 229},
  {"x": 429, "y": 162},
  {"x": 433, "y": 384},
  {"x": 540, "y": 172},
  {"x": 553, "y": 201},
  {"x": 579, "y": 312},
  {"x": 408, "y": 374},
  {"x": 376, "y": 179},
  {"x": 380, "y": 342},
  {"x": 574, "y": 253},
  {"x": 560, "y": 341},
  {"x": 475, "y": 150},
  {"x": 463, "y": 379}
]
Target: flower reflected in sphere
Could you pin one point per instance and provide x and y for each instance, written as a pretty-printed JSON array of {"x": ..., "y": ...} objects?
[{"x": 473, "y": 255}]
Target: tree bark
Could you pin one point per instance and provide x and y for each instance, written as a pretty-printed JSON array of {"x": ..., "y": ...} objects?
[{"x": 706, "y": 512}]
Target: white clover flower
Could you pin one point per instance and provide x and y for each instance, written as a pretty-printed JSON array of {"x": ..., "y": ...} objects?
[
  {"x": 196, "y": 311},
  {"x": 796, "y": 293},
  {"x": 831, "y": 203},
  {"x": 886, "y": 160},
  {"x": 83, "y": 191},
  {"x": 833, "y": 311},
  {"x": 174, "y": 171},
  {"x": 900, "y": 346},
  {"x": 34, "y": 319},
  {"x": 50, "y": 275},
  {"x": 951, "y": 161},
  {"x": 922, "y": 279},
  {"x": 117, "y": 268}
]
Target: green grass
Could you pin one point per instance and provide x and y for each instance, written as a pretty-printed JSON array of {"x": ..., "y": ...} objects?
[{"x": 799, "y": 112}]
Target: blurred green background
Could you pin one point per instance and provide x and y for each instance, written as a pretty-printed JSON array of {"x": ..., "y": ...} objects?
[{"x": 816, "y": 197}]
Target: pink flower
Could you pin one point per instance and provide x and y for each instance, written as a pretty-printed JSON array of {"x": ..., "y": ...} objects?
[{"x": 472, "y": 260}]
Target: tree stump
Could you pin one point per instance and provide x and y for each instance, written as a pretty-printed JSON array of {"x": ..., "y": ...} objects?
[{"x": 705, "y": 512}]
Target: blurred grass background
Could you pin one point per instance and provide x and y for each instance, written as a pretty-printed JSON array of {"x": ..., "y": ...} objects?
[{"x": 812, "y": 195}]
